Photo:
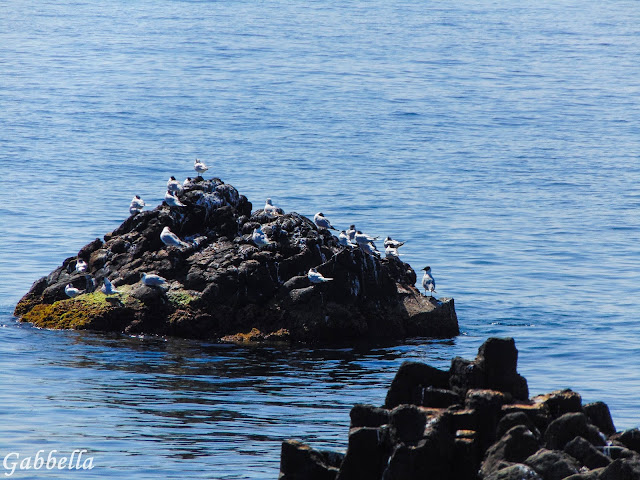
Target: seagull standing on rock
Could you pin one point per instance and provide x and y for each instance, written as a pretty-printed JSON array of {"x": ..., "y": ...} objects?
[
  {"x": 365, "y": 241},
  {"x": 390, "y": 242},
  {"x": 322, "y": 222},
  {"x": 136, "y": 205},
  {"x": 171, "y": 200},
  {"x": 390, "y": 252},
  {"x": 170, "y": 239},
  {"x": 343, "y": 239},
  {"x": 108, "y": 288},
  {"x": 391, "y": 247},
  {"x": 363, "y": 237},
  {"x": 72, "y": 291},
  {"x": 81, "y": 266},
  {"x": 351, "y": 233},
  {"x": 173, "y": 185},
  {"x": 200, "y": 167},
  {"x": 428, "y": 282},
  {"x": 315, "y": 277},
  {"x": 151, "y": 280},
  {"x": 270, "y": 209},
  {"x": 369, "y": 248},
  {"x": 259, "y": 237}
]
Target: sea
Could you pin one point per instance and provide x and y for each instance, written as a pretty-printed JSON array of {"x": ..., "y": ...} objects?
[{"x": 500, "y": 140}]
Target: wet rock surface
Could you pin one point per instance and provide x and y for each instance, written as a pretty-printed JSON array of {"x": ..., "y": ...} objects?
[
  {"x": 485, "y": 427},
  {"x": 222, "y": 285}
]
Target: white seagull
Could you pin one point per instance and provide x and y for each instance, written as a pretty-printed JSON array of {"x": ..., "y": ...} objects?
[
  {"x": 72, "y": 291},
  {"x": 152, "y": 280},
  {"x": 363, "y": 239},
  {"x": 315, "y": 277},
  {"x": 343, "y": 239},
  {"x": 390, "y": 251},
  {"x": 200, "y": 167},
  {"x": 173, "y": 185},
  {"x": 390, "y": 242},
  {"x": 270, "y": 209},
  {"x": 351, "y": 233},
  {"x": 108, "y": 288},
  {"x": 259, "y": 237},
  {"x": 322, "y": 222},
  {"x": 428, "y": 282},
  {"x": 170, "y": 239},
  {"x": 188, "y": 182},
  {"x": 81, "y": 265},
  {"x": 365, "y": 242},
  {"x": 136, "y": 205},
  {"x": 369, "y": 248},
  {"x": 171, "y": 200}
]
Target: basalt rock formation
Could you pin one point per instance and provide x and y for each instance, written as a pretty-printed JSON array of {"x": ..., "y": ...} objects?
[
  {"x": 222, "y": 285},
  {"x": 474, "y": 421}
]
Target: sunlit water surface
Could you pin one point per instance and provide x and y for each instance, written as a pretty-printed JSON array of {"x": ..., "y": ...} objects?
[{"x": 501, "y": 141}]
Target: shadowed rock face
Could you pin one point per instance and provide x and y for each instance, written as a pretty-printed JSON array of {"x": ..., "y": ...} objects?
[
  {"x": 484, "y": 428},
  {"x": 223, "y": 284}
]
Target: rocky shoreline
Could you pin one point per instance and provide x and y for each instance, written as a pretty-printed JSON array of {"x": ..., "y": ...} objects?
[
  {"x": 474, "y": 421},
  {"x": 223, "y": 284}
]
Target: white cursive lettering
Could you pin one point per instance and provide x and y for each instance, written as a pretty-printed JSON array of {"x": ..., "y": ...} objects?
[{"x": 13, "y": 461}]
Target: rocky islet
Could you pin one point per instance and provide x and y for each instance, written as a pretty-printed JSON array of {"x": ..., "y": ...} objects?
[{"x": 221, "y": 285}]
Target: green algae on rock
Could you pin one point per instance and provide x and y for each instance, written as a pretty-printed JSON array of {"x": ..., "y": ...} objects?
[
  {"x": 94, "y": 311},
  {"x": 223, "y": 285}
]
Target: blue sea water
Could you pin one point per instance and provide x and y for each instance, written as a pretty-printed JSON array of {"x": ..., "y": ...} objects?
[{"x": 501, "y": 140}]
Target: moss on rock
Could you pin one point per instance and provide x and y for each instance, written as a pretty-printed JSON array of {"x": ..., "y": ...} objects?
[
  {"x": 73, "y": 313},
  {"x": 87, "y": 311},
  {"x": 256, "y": 335},
  {"x": 180, "y": 298}
]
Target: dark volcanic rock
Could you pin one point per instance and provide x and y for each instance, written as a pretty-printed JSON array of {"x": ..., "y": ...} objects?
[
  {"x": 494, "y": 368},
  {"x": 515, "y": 446},
  {"x": 222, "y": 284},
  {"x": 586, "y": 453},
  {"x": 517, "y": 471},
  {"x": 622, "y": 469},
  {"x": 629, "y": 438},
  {"x": 368, "y": 416},
  {"x": 498, "y": 359},
  {"x": 560, "y": 402},
  {"x": 410, "y": 381},
  {"x": 366, "y": 456},
  {"x": 569, "y": 426},
  {"x": 552, "y": 464},
  {"x": 300, "y": 462},
  {"x": 480, "y": 428},
  {"x": 513, "y": 419},
  {"x": 600, "y": 416}
]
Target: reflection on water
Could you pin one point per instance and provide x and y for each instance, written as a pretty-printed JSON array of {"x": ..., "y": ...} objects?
[
  {"x": 206, "y": 408},
  {"x": 149, "y": 406}
]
